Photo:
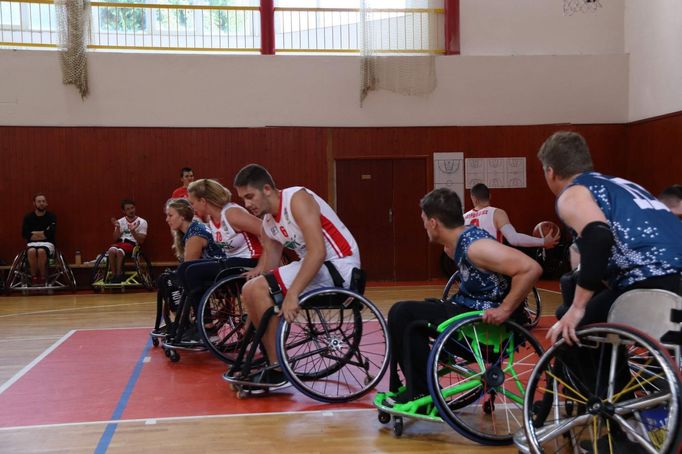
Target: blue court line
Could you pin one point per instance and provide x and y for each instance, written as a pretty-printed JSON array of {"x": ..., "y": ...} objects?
[{"x": 122, "y": 402}]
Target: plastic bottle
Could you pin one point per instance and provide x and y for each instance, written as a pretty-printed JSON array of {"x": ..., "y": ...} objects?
[{"x": 78, "y": 258}]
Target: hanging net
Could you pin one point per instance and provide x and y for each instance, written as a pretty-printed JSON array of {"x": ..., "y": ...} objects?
[
  {"x": 72, "y": 22},
  {"x": 398, "y": 46},
  {"x": 580, "y": 6}
]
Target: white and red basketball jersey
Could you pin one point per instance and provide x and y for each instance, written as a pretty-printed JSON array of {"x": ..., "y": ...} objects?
[
  {"x": 125, "y": 225},
  {"x": 339, "y": 242},
  {"x": 235, "y": 244},
  {"x": 483, "y": 219}
]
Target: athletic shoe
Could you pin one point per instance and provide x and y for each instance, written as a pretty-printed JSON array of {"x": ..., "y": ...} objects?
[{"x": 35, "y": 281}]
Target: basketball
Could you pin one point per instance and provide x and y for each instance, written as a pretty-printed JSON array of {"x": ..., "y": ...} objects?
[{"x": 545, "y": 229}]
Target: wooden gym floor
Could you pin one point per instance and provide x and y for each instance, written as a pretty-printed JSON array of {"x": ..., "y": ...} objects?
[{"x": 77, "y": 375}]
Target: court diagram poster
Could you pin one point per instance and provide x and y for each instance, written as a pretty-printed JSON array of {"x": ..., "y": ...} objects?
[
  {"x": 496, "y": 172},
  {"x": 448, "y": 171}
]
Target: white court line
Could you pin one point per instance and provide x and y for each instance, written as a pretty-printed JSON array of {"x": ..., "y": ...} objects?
[
  {"x": 30, "y": 366},
  {"x": 48, "y": 311},
  {"x": 184, "y": 418}
]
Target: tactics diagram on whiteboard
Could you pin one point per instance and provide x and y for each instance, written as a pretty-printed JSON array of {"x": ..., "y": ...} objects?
[
  {"x": 496, "y": 172},
  {"x": 448, "y": 172}
]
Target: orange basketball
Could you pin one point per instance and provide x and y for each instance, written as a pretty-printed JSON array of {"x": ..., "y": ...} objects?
[{"x": 545, "y": 229}]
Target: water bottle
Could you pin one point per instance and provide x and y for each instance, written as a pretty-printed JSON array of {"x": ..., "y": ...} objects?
[{"x": 78, "y": 258}]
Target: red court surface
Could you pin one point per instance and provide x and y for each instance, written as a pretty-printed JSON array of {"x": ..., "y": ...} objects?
[{"x": 84, "y": 378}]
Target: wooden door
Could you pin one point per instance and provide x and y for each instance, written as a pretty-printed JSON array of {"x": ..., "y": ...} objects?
[{"x": 378, "y": 199}]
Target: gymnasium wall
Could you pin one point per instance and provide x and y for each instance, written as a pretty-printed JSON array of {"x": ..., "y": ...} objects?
[
  {"x": 86, "y": 171},
  {"x": 652, "y": 39}
]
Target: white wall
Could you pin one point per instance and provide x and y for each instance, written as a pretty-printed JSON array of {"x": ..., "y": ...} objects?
[
  {"x": 537, "y": 27},
  {"x": 229, "y": 91},
  {"x": 566, "y": 70},
  {"x": 654, "y": 41}
]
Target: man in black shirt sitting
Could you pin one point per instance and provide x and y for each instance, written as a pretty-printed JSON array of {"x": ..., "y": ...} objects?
[{"x": 38, "y": 229}]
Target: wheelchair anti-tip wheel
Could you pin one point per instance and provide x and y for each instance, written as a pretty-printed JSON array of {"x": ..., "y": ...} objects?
[
  {"x": 337, "y": 348},
  {"x": 618, "y": 391}
]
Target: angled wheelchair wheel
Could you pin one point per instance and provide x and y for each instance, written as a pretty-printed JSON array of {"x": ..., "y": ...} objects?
[
  {"x": 477, "y": 376},
  {"x": 144, "y": 271},
  {"x": 222, "y": 324},
  {"x": 65, "y": 274},
  {"x": 533, "y": 309},
  {"x": 618, "y": 392},
  {"x": 451, "y": 287},
  {"x": 100, "y": 271},
  {"x": 18, "y": 275},
  {"x": 337, "y": 348}
]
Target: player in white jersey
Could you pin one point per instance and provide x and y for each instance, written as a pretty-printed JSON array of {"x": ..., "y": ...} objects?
[
  {"x": 496, "y": 222},
  {"x": 129, "y": 231},
  {"x": 233, "y": 228},
  {"x": 298, "y": 219}
]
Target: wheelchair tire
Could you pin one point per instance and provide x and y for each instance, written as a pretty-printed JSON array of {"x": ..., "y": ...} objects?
[
  {"x": 337, "y": 348},
  {"x": 144, "y": 271},
  {"x": 564, "y": 404},
  {"x": 69, "y": 278},
  {"x": 473, "y": 364},
  {"x": 99, "y": 271},
  {"x": 223, "y": 321},
  {"x": 533, "y": 308}
]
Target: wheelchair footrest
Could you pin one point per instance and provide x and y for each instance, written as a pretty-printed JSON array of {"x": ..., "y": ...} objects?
[
  {"x": 186, "y": 347},
  {"x": 421, "y": 408}
]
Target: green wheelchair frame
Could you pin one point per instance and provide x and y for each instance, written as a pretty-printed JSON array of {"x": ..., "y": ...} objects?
[
  {"x": 139, "y": 277},
  {"x": 482, "y": 379}
]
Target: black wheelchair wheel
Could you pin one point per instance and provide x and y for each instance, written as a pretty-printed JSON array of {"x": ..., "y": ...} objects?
[
  {"x": 337, "y": 348},
  {"x": 144, "y": 271},
  {"x": 533, "y": 309},
  {"x": 100, "y": 270},
  {"x": 222, "y": 321}
]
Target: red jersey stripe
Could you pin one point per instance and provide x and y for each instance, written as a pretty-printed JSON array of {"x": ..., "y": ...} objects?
[
  {"x": 253, "y": 244},
  {"x": 335, "y": 238}
]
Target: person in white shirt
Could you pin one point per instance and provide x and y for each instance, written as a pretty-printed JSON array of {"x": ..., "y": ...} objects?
[
  {"x": 298, "y": 219},
  {"x": 129, "y": 231},
  {"x": 496, "y": 222}
]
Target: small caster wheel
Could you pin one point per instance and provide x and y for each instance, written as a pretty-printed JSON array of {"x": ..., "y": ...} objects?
[
  {"x": 488, "y": 407},
  {"x": 166, "y": 351},
  {"x": 384, "y": 418},
  {"x": 398, "y": 426},
  {"x": 155, "y": 342},
  {"x": 174, "y": 356},
  {"x": 241, "y": 394}
]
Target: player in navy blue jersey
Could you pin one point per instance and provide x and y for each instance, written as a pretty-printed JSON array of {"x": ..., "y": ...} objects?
[{"x": 627, "y": 238}]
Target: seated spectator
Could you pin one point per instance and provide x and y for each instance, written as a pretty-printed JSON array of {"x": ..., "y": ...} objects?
[
  {"x": 38, "y": 229},
  {"x": 672, "y": 198},
  {"x": 129, "y": 231},
  {"x": 186, "y": 177}
]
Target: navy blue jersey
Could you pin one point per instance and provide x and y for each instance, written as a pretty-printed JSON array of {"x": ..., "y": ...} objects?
[
  {"x": 211, "y": 250},
  {"x": 478, "y": 289},
  {"x": 648, "y": 237}
]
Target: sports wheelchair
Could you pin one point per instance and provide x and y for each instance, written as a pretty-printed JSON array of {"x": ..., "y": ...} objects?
[
  {"x": 219, "y": 317},
  {"x": 141, "y": 276},
  {"x": 336, "y": 350},
  {"x": 628, "y": 397},
  {"x": 532, "y": 305},
  {"x": 59, "y": 274},
  {"x": 477, "y": 374}
]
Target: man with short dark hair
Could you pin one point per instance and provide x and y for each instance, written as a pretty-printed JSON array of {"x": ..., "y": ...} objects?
[
  {"x": 496, "y": 222},
  {"x": 494, "y": 278},
  {"x": 672, "y": 198},
  {"x": 186, "y": 177},
  {"x": 298, "y": 219},
  {"x": 129, "y": 231},
  {"x": 38, "y": 229}
]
